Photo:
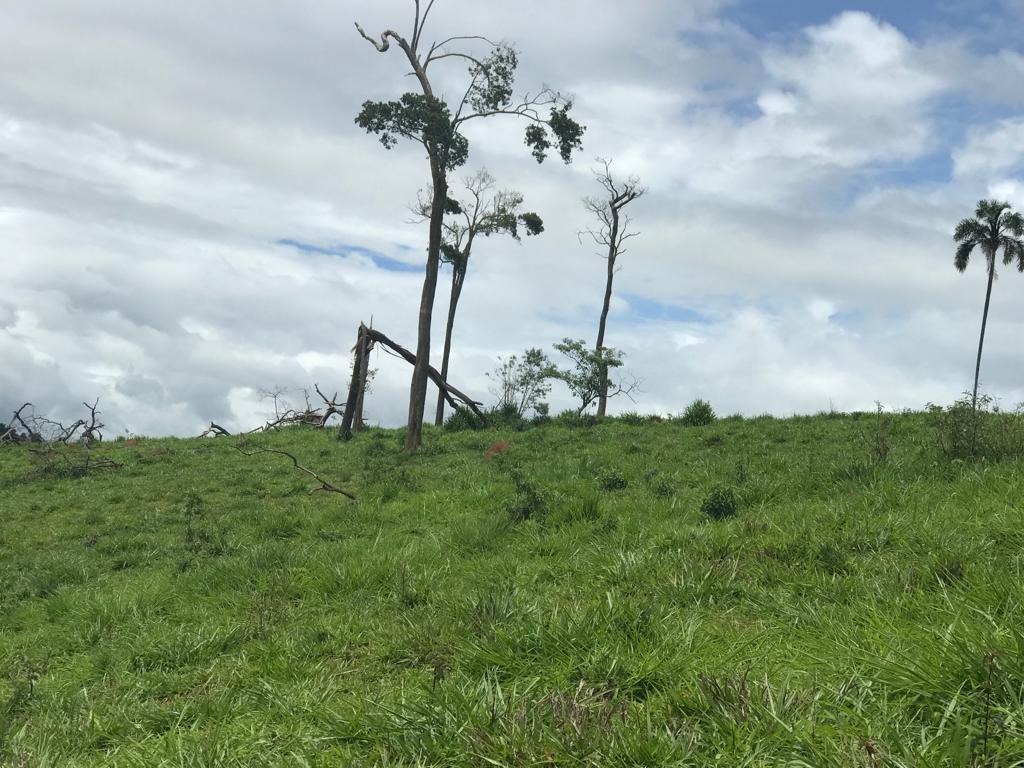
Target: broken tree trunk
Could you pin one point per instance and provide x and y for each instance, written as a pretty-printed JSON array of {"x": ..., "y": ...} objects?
[
  {"x": 365, "y": 341},
  {"x": 356, "y": 386},
  {"x": 451, "y": 393},
  {"x": 364, "y": 372}
]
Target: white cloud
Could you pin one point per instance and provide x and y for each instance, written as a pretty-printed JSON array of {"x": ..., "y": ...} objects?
[
  {"x": 991, "y": 150},
  {"x": 150, "y": 159}
]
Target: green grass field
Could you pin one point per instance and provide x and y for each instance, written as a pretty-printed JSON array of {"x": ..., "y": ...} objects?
[{"x": 565, "y": 602}]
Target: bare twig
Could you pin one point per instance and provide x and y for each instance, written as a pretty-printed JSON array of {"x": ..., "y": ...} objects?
[
  {"x": 30, "y": 434},
  {"x": 324, "y": 486},
  {"x": 333, "y": 407}
]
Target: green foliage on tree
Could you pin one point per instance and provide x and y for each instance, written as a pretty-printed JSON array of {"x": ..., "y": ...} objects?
[
  {"x": 482, "y": 213},
  {"x": 438, "y": 124},
  {"x": 522, "y": 383},
  {"x": 587, "y": 375}
]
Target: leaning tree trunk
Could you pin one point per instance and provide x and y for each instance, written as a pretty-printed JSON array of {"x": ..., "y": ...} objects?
[
  {"x": 602, "y": 400},
  {"x": 984, "y": 323},
  {"x": 458, "y": 277},
  {"x": 420, "y": 373}
]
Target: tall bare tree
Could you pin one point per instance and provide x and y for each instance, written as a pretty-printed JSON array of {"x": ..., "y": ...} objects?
[
  {"x": 995, "y": 227},
  {"x": 482, "y": 213},
  {"x": 437, "y": 124},
  {"x": 611, "y": 233}
]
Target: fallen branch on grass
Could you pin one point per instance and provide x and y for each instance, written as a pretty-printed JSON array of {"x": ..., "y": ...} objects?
[
  {"x": 53, "y": 461},
  {"x": 324, "y": 486}
]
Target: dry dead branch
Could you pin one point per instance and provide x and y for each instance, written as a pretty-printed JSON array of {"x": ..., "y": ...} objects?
[
  {"x": 367, "y": 337},
  {"x": 324, "y": 486}
]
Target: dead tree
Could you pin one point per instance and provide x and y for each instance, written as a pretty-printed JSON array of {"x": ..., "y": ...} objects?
[
  {"x": 331, "y": 406},
  {"x": 611, "y": 233},
  {"x": 9, "y": 432},
  {"x": 366, "y": 338},
  {"x": 40, "y": 429}
]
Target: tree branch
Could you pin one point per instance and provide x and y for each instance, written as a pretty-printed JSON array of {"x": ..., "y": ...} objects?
[{"x": 324, "y": 486}]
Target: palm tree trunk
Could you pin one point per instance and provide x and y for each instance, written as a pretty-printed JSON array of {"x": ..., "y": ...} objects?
[
  {"x": 984, "y": 323},
  {"x": 420, "y": 372},
  {"x": 458, "y": 277}
]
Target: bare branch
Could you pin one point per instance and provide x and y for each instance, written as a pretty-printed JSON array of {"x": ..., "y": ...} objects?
[
  {"x": 435, "y": 376},
  {"x": 333, "y": 408},
  {"x": 384, "y": 43},
  {"x": 30, "y": 433},
  {"x": 420, "y": 22},
  {"x": 324, "y": 486}
]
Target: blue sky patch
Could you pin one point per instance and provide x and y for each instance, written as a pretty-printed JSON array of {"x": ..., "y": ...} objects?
[
  {"x": 915, "y": 18},
  {"x": 643, "y": 309},
  {"x": 379, "y": 259}
]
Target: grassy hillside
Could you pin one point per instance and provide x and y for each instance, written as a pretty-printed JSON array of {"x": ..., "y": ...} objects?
[{"x": 564, "y": 602}]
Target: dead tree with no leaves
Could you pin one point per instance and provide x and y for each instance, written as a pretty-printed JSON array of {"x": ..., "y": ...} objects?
[
  {"x": 366, "y": 339},
  {"x": 611, "y": 233}
]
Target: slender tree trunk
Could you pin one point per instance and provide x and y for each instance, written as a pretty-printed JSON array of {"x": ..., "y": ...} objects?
[
  {"x": 458, "y": 278},
  {"x": 984, "y": 323},
  {"x": 602, "y": 400},
  {"x": 420, "y": 373}
]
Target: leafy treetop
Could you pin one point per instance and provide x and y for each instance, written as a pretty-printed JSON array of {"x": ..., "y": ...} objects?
[{"x": 429, "y": 120}]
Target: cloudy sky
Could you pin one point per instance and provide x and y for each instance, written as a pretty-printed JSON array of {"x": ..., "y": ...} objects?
[{"x": 190, "y": 215}]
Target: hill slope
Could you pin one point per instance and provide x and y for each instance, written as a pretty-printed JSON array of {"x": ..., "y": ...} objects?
[{"x": 564, "y": 602}]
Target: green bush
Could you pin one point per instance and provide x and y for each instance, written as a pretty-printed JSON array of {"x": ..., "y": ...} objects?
[
  {"x": 462, "y": 420},
  {"x": 968, "y": 431},
  {"x": 506, "y": 417},
  {"x": 611, "y": 480},
  {"x": 633, "y": 419},
  {"x": 573, "y": 418},
  {"x": 719, "y": 504},
  {"x": 699, "y": 413},
  {"x": 529, "y": 502}
]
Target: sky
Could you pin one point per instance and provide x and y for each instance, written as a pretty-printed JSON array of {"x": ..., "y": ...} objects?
[{"x": 191, "y": 217}]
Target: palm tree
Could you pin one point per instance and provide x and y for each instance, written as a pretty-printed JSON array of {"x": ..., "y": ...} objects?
[{"x": 995, "y": 227}]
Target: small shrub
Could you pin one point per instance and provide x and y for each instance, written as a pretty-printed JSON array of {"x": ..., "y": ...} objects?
[
  {"x": 529, "y": 502},
  {"x": 611, "y": 480},
  {"x": 699, "y": 413},
  {"x": 541, "y": 414},
  {"x": 968, "y": 431},
  {"x": 201, "y": 534},
  {"x": 573, "y": 418},
  {"x": 879, "y": 434},
  {"x": 719, "y": 504},
  {"x": 506, "y": 417},
  {"x": 663, "y": 488},
  {"x": 633, "y": 419},
  {"x": 462, "y": 420}
]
